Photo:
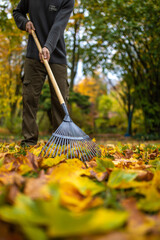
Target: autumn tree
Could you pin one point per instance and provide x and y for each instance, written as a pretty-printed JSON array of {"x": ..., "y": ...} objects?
[
  {"x": 93, "y": 87},
  {"x": 11, "y": 66}
]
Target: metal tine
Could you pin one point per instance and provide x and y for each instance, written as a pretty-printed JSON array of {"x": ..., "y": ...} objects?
[
  {"x": 75, "y": 150},
  {"x": 75, "y": 144},
  {"x": 62, "y": 133},
  {"x": 84, "y": 152},
  {"x": 67, "y": 147},
  {"x": 53, "y": 145},
  {"x": 81, "y": 151},
  {"x": 93, "y": 151},
  {"x": 58, "y": 146},
  {"x": 72, "y": 134},
  {"x": 80, "y": 148},
  {"x": 53, "y": 154},
  {"x": 81, "y": 155},
  {"x": 74, "y": 155},
  {"x": 62, "y": 148},
  {"x": 49, "y": 146},
  {"x": 84, "y": 149},
  {"x": 71, "y": 148},
  {"x": 89, "y": 155},
  {"x": 89, "y": 152},
  {"x": 92, "y": 144},
  {"x": 45, "y": 146}
]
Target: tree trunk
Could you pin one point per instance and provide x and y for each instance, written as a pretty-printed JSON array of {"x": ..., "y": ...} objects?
[
  {"x": 129, "y": 129},
  {"x": 75, "y": 55}
]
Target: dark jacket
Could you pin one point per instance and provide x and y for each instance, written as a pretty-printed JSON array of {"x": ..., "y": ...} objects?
[{"x": 50, "y": 18}]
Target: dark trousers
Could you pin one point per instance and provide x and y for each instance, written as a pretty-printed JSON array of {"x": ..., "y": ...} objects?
[{"x": 34, "y": 77}]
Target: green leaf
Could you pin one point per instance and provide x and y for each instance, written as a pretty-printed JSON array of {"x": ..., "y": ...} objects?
[
  {"x": 151, "y": 203},
  {"x": 84, "y": 184},
  {"x": 95, "y": 221},
  {"x": 102, "y": 165},
  {"x": 155, "y": 163},
  {"x": 119, "y": 178},
  {"x": 33, "y": 233},
  {"x": 59, "y": 222}
]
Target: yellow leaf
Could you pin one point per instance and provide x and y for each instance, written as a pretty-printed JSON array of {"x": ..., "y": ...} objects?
[
  {"x": 49, "y": 162},
  {"x": 24, "y": 168},
  {"x": 74, "y": 200},
  {"x": 36, "y": 151},
  {"x": 71, "y": 171},
  {"x": 7, "y": 167},
  {"x": 67, "y": 170}
]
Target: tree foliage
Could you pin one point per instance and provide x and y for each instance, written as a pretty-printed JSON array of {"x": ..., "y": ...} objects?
[
  {"x": 123, "y": 36},
  {"x": 114, "y": 36},
  {"x": 12, "y": 46},
  {"x": 73, "y": 38}
]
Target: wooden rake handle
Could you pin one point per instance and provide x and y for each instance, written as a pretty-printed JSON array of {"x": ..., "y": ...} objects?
[{"x": 52, "y": 78}]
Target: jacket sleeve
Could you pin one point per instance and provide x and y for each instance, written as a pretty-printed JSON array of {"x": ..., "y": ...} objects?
[
  {"x": 59, "y": 25},
  {"x": 19, "y": 14}
]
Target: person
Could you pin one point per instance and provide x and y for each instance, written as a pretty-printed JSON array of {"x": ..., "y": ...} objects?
[{"x": 48, "y": 18}]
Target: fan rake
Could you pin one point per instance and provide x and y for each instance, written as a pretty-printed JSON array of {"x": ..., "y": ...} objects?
[{"x": 68, "y": 139}]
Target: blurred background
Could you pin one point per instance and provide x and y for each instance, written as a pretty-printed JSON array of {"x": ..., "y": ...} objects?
[{"x": 113, "y": 52}]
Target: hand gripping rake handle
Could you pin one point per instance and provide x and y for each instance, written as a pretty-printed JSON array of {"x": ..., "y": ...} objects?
[{"x": 52, "y": 78}]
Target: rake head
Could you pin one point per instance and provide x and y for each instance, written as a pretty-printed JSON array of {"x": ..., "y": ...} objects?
[{"x": 70, "y": 140}]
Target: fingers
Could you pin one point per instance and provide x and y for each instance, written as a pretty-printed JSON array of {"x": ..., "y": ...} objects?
[
  {"x": 29, "y": 27},
  {"x": 45, "y": 54}
]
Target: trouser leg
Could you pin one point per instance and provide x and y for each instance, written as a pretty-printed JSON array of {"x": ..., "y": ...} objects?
[
  {"x": 60, "y": 74},
  {"x": 34, "y": 76}
]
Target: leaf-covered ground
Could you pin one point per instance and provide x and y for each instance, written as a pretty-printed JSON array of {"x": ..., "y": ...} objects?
[{"x": 117, "y": 196}]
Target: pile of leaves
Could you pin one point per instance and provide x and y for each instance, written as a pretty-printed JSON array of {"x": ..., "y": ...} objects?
[{"x": 115, "y": 196}]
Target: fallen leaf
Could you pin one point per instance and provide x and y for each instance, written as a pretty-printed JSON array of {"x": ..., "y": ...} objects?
[
  {"x": 74, "y": 200},
  {"x": 120, "y": 178},
  {"x": 137, "y": 220}
]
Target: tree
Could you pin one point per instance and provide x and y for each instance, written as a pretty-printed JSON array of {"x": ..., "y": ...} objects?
[
  {"x": 93, "y": 87},
  {"x": 125, "y": 94},
  {"x": 11, "y": 66},
  {"x": 73, "y": 37},
  {"x": 123, "y": 37}
]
